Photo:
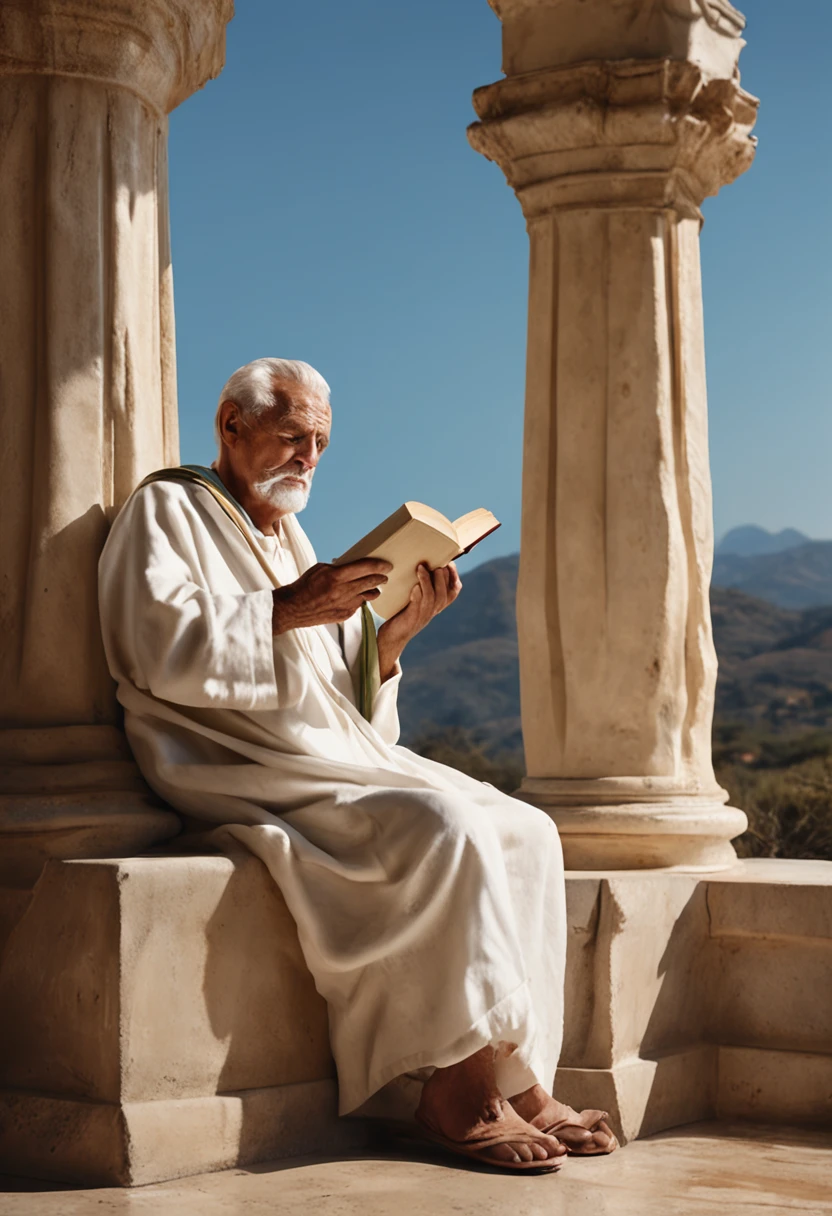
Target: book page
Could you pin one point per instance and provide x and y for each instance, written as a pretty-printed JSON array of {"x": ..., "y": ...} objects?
[{"x": 474, "y": 527}]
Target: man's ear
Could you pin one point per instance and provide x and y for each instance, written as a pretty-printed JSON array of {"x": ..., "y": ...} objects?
[{"x": 230, "y": 423}]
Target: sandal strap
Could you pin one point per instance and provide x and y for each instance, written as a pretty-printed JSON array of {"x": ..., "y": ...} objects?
[
  {"x": 586, "y": 1121},
  {"x": 511, "y": 1131}
]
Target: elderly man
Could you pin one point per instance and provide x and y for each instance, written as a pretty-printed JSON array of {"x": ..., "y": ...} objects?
[{"x": 430, "y": 907}]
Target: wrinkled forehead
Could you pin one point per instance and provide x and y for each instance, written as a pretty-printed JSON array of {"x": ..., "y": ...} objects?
[{"x": 299, "y": 405}]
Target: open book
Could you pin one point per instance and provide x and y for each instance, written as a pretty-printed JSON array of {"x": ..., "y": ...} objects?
[{"x": 413, "y": 534}]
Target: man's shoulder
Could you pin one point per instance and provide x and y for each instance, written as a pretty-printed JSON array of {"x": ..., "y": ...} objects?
[
  {"x": 158, "y": 515},
  {"x": 166, "y": 503},
  {"x": 159, "y": 490}
]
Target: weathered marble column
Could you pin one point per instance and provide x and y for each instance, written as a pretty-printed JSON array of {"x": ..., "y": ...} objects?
[
  {"x": 616, "y": 119},
  {"x": 88, "y": 389}
]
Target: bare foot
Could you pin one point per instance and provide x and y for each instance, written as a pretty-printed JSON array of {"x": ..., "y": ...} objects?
[
  {"x": 463, "y": 1103},
  {"x": 542, "y": 1110}
]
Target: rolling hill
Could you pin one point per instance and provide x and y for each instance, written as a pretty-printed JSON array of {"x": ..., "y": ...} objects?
[{"x": 798, "y": 577}]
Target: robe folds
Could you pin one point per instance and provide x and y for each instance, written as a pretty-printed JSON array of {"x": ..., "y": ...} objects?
[{"x": 430, "y": 907}]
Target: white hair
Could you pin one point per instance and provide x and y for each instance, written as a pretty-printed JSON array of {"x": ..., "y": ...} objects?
[{"x": 252, "y": 387}]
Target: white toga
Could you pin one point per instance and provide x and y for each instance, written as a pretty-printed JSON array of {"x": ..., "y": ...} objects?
[{"x": 430, "y": 907}]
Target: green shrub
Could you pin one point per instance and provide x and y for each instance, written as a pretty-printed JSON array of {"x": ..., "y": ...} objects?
[{"x": 789, "y": 810}]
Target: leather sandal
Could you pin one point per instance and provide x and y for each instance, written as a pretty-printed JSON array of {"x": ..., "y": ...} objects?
[
  {"x": 485, "y": 1135},
  {"x": 585, "y": 1121}
]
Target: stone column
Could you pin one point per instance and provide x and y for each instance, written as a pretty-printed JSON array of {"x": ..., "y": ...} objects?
[
  {"x": 88, "y": 389},
  {"x": 616, "y": 119}
]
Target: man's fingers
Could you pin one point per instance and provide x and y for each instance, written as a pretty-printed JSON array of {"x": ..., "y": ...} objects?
[
  {"x": 355, "y": 603},
  {"x": 448, "y": 586},
  {"x": 357, "y": 585},
  {"x": 440, "y": 584},
  {"x": 428, "y": 591},
  {"x": 362, "y": 569}
]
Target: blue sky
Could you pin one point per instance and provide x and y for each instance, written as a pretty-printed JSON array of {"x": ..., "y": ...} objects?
[{"x": 325, "y": 205}]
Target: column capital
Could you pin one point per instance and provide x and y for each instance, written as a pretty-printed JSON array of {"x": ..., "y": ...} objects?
[
  {"x": 160, "y": 50},
  {"x": 624, "y": 133},
  {"x": 548, "y": 33}
]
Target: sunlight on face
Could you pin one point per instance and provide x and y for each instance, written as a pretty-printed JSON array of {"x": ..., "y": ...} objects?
[{"x": 285, "y": 446}]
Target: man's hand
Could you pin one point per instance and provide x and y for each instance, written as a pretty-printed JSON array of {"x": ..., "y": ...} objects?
[
  {"x": 431, "y": 595},
  {"x": 327, "y": 594}
]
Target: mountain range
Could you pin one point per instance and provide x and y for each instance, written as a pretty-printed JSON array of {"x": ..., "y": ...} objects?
[
  {"x": 749, "y": 540},
  {"x": 796, "y": 577},
  {"x": 774, "y": 647},
  {"x": 785, "y": 568}
]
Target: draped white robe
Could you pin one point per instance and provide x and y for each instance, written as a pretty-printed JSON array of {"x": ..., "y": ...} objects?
[{"x": 430, "y": 907}]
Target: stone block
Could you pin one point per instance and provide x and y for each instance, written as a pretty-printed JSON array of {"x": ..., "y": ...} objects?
[
  {"x": 687, "y": 997},
  {"x": 790, "y": 1087},
  {"x": 772, "y": 899},
  {"x": 158, "y": 1019},
  {"x": 178, "y": 976},
  {"x": 644, "y": 1096},
  {"x": 771, "y": 936},
  {"x": 135, "y": 1143},
  {"x": 773, "y": 993},
  {"x": 635, "y": 979}
]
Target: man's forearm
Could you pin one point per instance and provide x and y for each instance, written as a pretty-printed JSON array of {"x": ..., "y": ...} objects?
[{"x": 388, "y": 659}]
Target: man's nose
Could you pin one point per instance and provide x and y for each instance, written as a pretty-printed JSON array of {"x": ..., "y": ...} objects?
[{"x": 308, "y": 454}]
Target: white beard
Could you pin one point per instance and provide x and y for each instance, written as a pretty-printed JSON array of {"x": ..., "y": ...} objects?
[{"x": 289, "y": 499}]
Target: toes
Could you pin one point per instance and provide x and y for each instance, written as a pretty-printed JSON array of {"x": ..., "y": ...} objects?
[
  {"x": 553, "y": 1146},
  {"x": 602, "y": 1140},
  {"x": 576, "y": 1137},
  {"x": 504, "y": 1152},
  {"x": 547, "y": 1148},
  {"x": 518, "y": 1153}
]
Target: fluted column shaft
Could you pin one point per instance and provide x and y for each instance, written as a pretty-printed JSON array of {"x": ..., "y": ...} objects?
[
  {"x": 86, "y": 315},
  {"x": 89, "y": 392},
  {"x": 88, "y": 388},
  {"x": 610, "y": 160}
]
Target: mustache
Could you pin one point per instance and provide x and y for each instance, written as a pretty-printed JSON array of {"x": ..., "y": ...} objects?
[{"x": 276, "y": 476}]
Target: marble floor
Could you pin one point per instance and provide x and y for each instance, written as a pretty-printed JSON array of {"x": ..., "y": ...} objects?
[{"x": 705, "y": 1169}]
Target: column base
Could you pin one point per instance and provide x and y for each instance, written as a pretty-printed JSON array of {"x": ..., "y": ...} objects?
[
  {"x": 69, "y": 792},
  {"x": 627, "y": 823},
  {"x": 73, "y": 791}
]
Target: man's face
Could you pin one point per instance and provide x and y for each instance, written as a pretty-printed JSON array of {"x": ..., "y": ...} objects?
[{"x": 275, "y": 453}]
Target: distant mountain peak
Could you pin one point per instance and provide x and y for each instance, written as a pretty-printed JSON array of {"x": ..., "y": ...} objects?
[{"x": 749, "y": 540}]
